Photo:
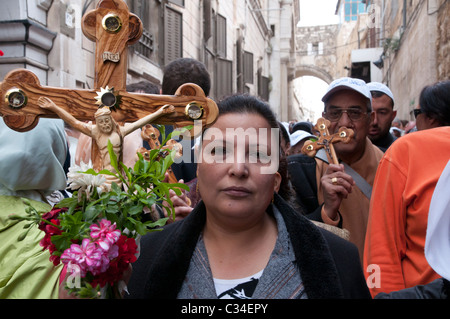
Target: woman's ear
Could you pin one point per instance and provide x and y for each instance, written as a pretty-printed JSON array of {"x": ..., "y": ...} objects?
[{"x": 277, "y": 182}]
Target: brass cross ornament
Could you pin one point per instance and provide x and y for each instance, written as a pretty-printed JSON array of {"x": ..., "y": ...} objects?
[{"x": 326, "y": 141}]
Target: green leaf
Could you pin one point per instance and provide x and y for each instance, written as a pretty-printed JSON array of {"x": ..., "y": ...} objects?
[
  {"x": 126, "y": 171},
  {"x": 61, "y": 242},
  {"x": 134, "y": 210},
  {"x": 90, "y": 172},
  {"x": 115, "y": 188},
  {"x": 180, "y": 185},
  {"x": 180, "y": 131},
  {"x": 159, "y": 223},
  {"x": 106, "y": 172},
  {"x": 68, "y": 202},
  {"x": 113, "y": 157},
  {"x": 91, "y": 213}
]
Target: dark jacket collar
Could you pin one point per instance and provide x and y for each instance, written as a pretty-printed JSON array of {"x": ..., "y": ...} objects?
[{"x": 169, "y": 264}]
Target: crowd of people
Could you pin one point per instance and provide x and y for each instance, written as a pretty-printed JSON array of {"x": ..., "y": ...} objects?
[{"x": 375, "y": 225}]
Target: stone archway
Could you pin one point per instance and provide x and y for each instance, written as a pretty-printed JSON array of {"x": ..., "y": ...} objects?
[
  {"x": 312, "y": 70},
  {"x": 315, "y": 56}
]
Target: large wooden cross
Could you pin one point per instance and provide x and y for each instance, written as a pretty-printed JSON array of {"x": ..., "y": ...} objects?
[
  {"x": 326, "y": 140},
  {"x": 113, "y": 28}
]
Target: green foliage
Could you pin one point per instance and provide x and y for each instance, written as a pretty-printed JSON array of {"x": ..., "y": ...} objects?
[{"x": 128, "y": 206}]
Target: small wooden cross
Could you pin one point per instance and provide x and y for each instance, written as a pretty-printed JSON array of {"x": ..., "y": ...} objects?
[
  {"x": 326, "y": 140},
  {"x": 113, "y": 28}
]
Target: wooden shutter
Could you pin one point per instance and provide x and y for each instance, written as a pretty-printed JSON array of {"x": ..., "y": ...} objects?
[
  {"x": 263, "y": 86},
  {"x": 173, "y": 35},
  {"x": 248, "y": 67},
  {"x": 221, "y": 36},
  {"x": 224, "y": 78},
  {"x": 207, "y": 19},
  {"x": 177, "y": 2}
]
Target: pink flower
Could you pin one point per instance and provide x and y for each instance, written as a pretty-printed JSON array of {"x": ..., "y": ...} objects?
[
  {"x": 105, "y": 234},
  {"x": 88, "y": 256}
]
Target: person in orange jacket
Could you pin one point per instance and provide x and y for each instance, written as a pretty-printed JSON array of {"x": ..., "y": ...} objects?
[{"x": 394, "y": 256}]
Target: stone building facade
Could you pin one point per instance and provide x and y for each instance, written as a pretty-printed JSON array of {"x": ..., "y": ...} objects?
[
  {"x": 404, "y": 44},
  {"x": 248, "y": 46},
  {"x": 416, "y": 49},
  {"x": 411, "y": 45}
]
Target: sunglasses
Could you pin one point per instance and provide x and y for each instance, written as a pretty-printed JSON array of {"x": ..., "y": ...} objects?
[
  {"x": 354, "y": 114},
  {"x": 417, "y": 112}
]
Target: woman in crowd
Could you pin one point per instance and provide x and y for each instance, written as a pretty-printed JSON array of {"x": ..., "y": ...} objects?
[{"x": 243, "y": 240}]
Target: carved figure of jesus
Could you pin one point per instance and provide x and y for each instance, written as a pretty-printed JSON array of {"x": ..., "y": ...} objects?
[{"x": 105, "y": 129}]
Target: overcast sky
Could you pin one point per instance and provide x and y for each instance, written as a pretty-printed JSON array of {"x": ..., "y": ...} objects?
[{"x": 317, "y": 12}]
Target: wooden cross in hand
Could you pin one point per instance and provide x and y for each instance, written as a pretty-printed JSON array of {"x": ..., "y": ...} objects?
[{"x": 326, "y": 141}]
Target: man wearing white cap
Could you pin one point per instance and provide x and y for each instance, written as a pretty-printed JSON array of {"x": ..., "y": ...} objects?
[
  {"x": 339, "y": 195},
  {"x": 383, "y": 107},
  {"x": 297, "y": 139}
]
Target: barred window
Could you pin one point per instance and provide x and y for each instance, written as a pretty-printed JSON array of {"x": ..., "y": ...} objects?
[{"x": 146, "y": 44}]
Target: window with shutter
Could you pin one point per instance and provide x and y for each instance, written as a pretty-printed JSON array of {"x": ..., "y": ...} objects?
[
  {"x": 207, "y": 18},
  {"x": 177, "y": 2},
  {"x": 221, "y": 36},
  {"x": 263, "y": 86},
  {"x": 239, "y": 65},
  {"x": 173, "y": 35},
  {"x": 148, "y": 12},
  {"x": 224, "y": 80},
  {"x": 248, "y": 67},
  {"x": 211, "y": 67}
]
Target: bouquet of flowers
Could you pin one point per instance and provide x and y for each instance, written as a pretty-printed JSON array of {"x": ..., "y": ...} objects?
[{"x": 95, "y": 233}]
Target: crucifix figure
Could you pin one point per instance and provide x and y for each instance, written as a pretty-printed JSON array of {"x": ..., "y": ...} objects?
[
  {"x": 113, "y": 28},
  {"x": 326, "y": 140},
  {"x": 105, "y": 130}
]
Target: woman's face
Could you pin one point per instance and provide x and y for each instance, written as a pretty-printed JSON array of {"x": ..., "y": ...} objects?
[
  {"x": 424, "y": 122},
  {"x": 233, "y": 175}
]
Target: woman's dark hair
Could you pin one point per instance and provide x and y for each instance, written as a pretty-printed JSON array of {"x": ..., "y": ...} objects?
[
  {"x": 284, "y": 133},
  {"x": 245, "y": 103},
  {"x": 434, "y": 101}
]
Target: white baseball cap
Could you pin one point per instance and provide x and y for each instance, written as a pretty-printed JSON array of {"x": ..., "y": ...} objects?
[
  {"x": 346, "y": 83},
  {"x": 377, "y": 86},
  {"x": 300, "y": 135}
]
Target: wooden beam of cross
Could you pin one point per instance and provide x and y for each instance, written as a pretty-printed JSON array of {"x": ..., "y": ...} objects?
[
  {"x": 326, "y": 140},
  {"x": 21, "y": 89},
  {"x": 113, "y": 28}
]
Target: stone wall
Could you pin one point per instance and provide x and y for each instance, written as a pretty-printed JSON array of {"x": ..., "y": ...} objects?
[{"x": 443, "y": 42}]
